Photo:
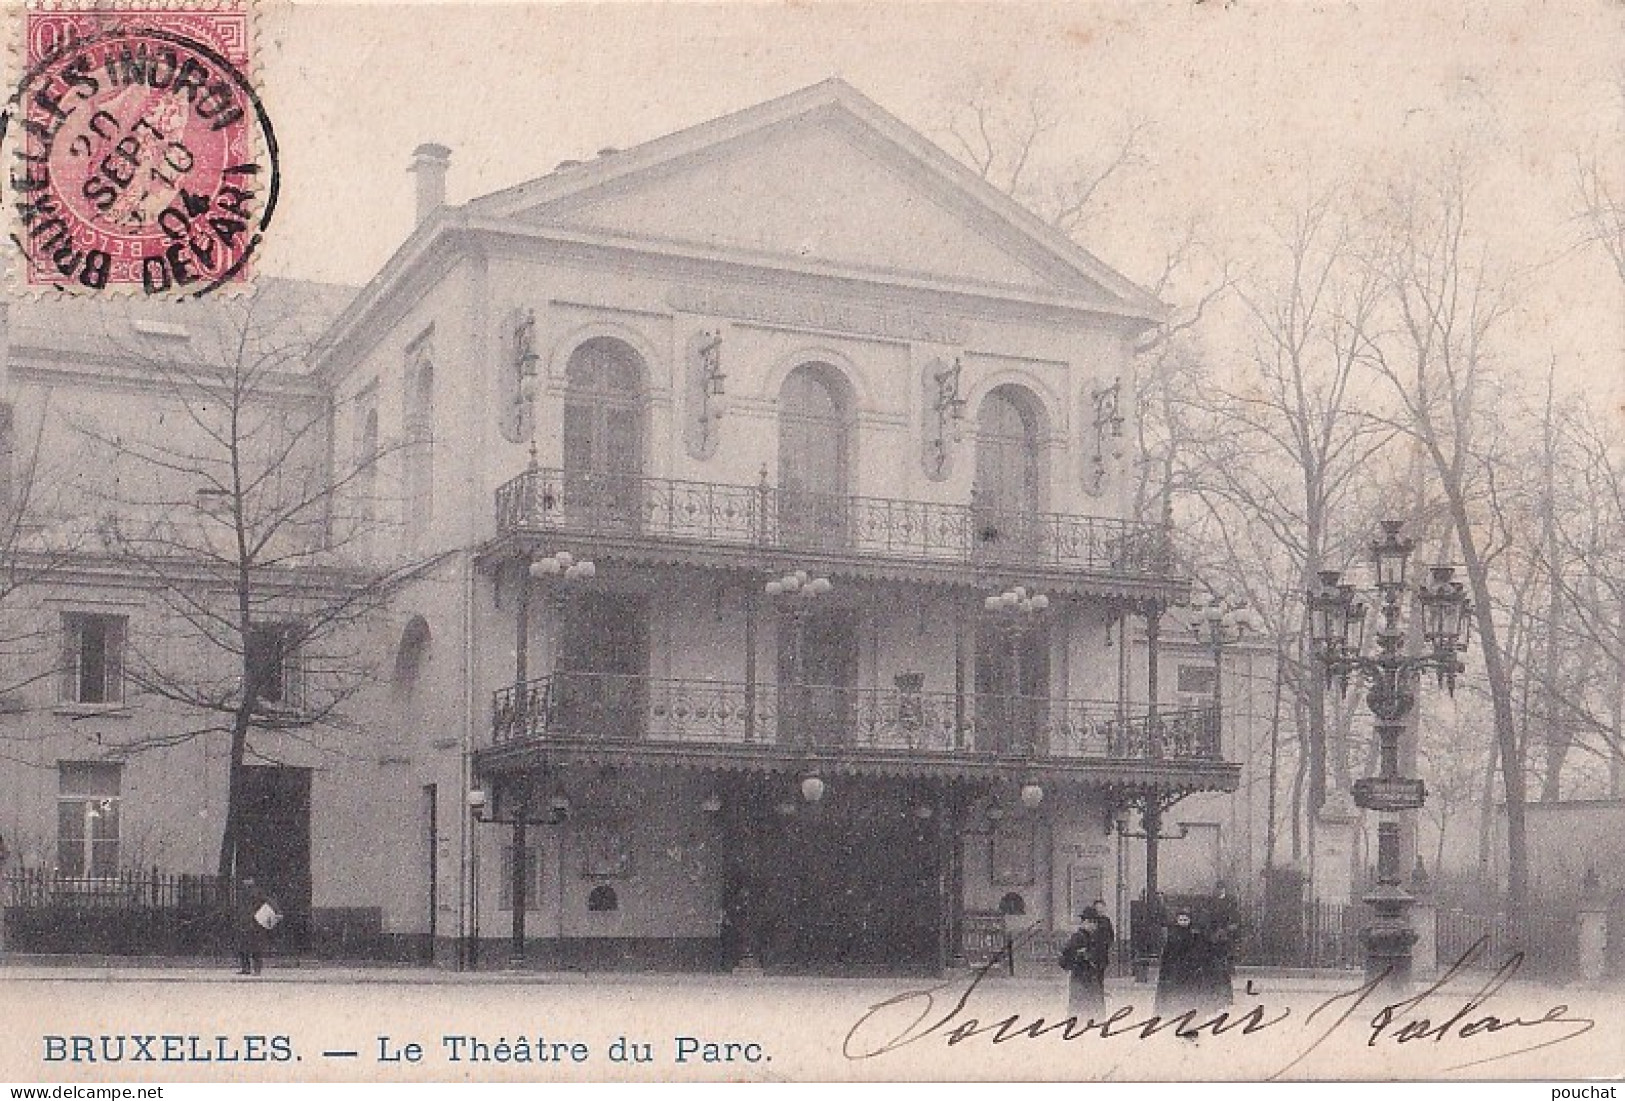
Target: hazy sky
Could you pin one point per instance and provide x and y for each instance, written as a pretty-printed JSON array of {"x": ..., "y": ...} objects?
[{"x": 1246, "y": 103}]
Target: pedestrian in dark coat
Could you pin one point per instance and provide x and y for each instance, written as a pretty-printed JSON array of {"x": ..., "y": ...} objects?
[
  {"x": 1107, "y": 929},
  {"x": 1179, "y": 975},
  {"x": 1219, "y": 967},
  {"x": 257, "y": 914},
  {"x": 1087, "y": 955}
]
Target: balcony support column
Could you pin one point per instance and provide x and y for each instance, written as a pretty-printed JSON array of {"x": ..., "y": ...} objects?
[
  {"x": 521, "y": 641},
  {"x": 961, "y": 656},
  {"x": 1153, "y": 735},
  {"x": 516, "y": 873},
  {"x": 951, "y": 879},
  {"x": 751, "y": 612}
]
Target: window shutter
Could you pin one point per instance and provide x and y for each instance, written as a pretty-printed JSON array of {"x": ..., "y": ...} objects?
[
  {"x": 114, "y": 659},
  {"x": 68, "y": 661},
  {"x": 293, "y": 669}
]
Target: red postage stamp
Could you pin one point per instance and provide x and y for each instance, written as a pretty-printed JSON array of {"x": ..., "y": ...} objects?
[{"x": 139, "y": 156}]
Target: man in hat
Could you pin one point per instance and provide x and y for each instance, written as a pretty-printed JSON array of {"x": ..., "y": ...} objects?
[{"x": 257, "y": 915}]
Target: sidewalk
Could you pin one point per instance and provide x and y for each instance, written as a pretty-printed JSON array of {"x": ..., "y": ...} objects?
[{"x": 157, "y": 969}]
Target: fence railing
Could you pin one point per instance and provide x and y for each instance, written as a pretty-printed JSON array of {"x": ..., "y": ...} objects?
[
  {"x": 624, "y": 707},
  {"x": 603, "y": 503},
  {"x": 129, "y": 912}
]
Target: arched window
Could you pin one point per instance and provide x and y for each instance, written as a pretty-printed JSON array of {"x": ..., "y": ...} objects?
[
  {"x": 419, "y": 424},
  {"x": 814, "y": 455},
  {"x": 603, "y": 434},
  {"x": 410, "y": 654},
  {"x": 603, "y": 900},
  {"x": 1010, "y": 472}
]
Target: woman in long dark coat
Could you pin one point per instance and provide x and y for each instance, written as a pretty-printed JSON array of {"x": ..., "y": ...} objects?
[
  {"x": 1217, "y": 983},
  {"x": 1087, "y": 955},
  {"x": 1181, "y": 972}
]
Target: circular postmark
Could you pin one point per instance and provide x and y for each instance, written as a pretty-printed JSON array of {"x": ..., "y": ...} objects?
[{"x": 138, "y": 157}]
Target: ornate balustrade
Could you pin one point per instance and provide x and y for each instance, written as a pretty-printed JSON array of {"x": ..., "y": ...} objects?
[
  {"x": 609, "y": 707},
  {"x": 600, "y": 504}
]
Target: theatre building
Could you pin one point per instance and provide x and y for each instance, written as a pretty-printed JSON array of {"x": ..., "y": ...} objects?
[
  {"x": 842, "y": 434},
  {"x": 770, "y": 480}
]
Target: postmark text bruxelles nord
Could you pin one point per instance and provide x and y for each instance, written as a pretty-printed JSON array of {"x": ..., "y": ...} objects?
[{"x": 137, "y": 155}]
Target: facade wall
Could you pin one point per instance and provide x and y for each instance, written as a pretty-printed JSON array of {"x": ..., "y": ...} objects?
[{"x": 571, "y": 303}]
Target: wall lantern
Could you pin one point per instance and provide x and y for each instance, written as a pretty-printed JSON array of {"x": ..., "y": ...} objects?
[
  {"x": 558, "y": 808},
  {"x": 711, "y": 803},
  {"x": 812, "y": 789},
  {"x": 1031, "y": 796}
]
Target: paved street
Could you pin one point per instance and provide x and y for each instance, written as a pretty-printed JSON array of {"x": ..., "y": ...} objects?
[{"x": 300, "y": 1023}]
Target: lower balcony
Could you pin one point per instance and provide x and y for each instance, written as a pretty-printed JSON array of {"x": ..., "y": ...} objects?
[{"x": 607, "y": 715}]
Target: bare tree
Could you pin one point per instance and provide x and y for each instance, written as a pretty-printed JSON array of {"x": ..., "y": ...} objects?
[
  {"x": 1290, "y": 409},
  {"x": 1445, "y": 301},
  {"x": 252, "y": 525}
]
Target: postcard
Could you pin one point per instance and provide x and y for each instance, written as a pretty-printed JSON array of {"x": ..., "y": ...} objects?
[{"x": 574, "y": 542}]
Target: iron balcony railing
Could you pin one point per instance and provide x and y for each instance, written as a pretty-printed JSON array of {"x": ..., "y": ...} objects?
[
  {"x": 618, "y": 707},
  {"x": 765, "y": 516}
]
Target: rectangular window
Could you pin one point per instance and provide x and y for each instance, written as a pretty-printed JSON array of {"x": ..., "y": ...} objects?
[
  {"x": 87, "y": 818},
  {"x": 273, "y": 664},
  {"x": 93, "y": 658},
  {"x": 533, "y": 879}
]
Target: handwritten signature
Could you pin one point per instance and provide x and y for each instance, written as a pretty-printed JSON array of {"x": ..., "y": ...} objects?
[{"x": 1426, "y": 1016}]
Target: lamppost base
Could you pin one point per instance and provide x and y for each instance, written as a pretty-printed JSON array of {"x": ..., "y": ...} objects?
[{"x": 1389, "y": 938}]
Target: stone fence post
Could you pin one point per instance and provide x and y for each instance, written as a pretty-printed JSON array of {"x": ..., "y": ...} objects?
[
  {"x": 1593, "y": 933},
  {"x": 1425, "y": 920}
]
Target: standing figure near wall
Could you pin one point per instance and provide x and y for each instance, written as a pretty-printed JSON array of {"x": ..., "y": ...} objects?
[{"x": 1087, "y": 955}]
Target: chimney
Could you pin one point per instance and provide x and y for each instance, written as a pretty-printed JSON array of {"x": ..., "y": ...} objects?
[{"x": 429, "y": 162}]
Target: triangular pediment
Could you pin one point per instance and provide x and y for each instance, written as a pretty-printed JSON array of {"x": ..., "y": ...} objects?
[{"x": 819, "y": 177}]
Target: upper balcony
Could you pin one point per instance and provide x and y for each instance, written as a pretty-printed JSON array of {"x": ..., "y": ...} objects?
[
  {"x": 933, "y": 540},
  {"x": 610, "y": 718}
]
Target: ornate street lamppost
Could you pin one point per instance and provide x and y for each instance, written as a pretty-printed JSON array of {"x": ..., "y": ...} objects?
[
  {"x": 1016, "y": 612},
  {"x": 565, "y": 568},
  {"x": 1216, "y": 623},
  {"x": 1337, "y": 626}
]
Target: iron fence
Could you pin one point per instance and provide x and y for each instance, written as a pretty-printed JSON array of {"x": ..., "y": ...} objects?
[
  {"x": 1489, "y": 940},
  {"x": 612, "y": 706},
  {"x": 603, "y": 503},
  {"x": 130, "y": 912},
  {"x": 1307, "y": 934}
]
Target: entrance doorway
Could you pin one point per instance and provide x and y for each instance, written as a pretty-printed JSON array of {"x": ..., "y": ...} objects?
[
  {"x": 849, "y": 885},
  {"x": 816, "y": 685},
  {"x": 1012, "y": 690},
  {"x": 274, "y": 844},
  {"x": 601, "y": 676}
]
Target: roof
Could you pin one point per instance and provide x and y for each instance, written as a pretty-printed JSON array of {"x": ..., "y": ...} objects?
[
  {"x": 80, "y": 328},
  {"x": 513, "y": 210},
  {"x": 829, "y": 95}
]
